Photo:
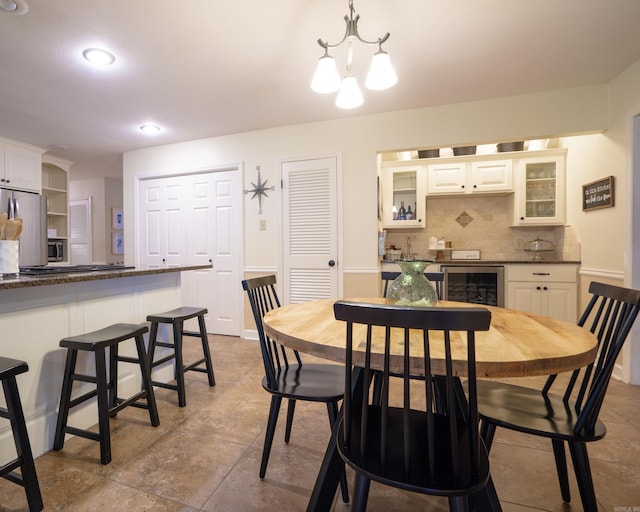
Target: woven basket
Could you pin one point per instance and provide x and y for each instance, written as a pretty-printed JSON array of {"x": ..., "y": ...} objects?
[
  {"x": 428, "y": 153},
  {"x": 394, "y": 254},
  {"x": 504, "y": 147},
  {"x": 464, "y": 150}
]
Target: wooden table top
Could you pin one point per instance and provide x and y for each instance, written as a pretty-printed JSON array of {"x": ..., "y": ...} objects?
[{"x": 518, "y": 344}]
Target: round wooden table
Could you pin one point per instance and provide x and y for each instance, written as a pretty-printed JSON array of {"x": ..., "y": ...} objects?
[{"x": 518, "y": 344}]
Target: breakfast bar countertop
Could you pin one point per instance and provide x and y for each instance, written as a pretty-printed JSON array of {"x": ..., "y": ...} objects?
[{"x": 25, "y": 281}]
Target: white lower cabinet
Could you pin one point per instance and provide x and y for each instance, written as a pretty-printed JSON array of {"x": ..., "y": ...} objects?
[{"x": 544, "y": 289}]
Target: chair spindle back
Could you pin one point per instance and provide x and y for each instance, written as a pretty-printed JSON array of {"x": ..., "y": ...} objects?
[
  {"x": 610, "y": 314},
  {"x": 263, "y": 298},
  {"x": 426, "y": 331}
]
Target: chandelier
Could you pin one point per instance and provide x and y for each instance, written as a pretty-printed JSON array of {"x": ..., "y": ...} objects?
[{"x": 327, "y": 79}]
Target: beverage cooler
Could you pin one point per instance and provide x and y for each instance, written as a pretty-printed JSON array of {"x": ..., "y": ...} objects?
[{"x": 475, "y": 284}]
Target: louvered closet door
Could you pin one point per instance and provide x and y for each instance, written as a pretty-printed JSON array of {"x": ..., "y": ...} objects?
[{"x": 310, "y": 221}]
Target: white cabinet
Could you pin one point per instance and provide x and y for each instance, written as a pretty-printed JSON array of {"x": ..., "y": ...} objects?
[
  {"x": 470, "y": 177},
  {"x": 544, "y": 289},
  {"x": 539, "y": 198},
  {"x": 403, "y": 188},
  {"x": 492, "y": 176},
  {"x": 20, "y": 166},
  {"x": 447, "y": 178},
  {"x": 55, "y": 176}
]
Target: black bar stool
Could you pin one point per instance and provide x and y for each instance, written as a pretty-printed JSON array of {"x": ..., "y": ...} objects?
[
  {"x": 109, "y": 404},
  {"x": 27, "y": 477},
  {"x": 176, "y": 317}
]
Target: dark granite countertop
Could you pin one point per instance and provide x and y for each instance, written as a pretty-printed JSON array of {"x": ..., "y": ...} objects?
[
  {"x": 24, "y": 281},
  {"x": 499, "y": 262}
]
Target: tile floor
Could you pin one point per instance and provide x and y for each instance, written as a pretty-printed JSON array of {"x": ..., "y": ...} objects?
[{"x": 205, "y": 457}]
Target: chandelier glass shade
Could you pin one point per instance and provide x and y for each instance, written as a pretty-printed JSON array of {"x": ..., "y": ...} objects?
[{"x": 327, "y": 79}]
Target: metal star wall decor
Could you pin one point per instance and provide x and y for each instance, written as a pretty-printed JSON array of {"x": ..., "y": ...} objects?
[{"x": 259, "y": 189}]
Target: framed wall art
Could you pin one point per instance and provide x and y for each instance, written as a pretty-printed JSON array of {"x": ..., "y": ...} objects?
[
  {"x": 598, "y": 194},
  {"x": 117, "y": 243},
  {"x": 116, "y": 218}
]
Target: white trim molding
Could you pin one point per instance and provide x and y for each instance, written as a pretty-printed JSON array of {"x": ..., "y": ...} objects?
[{"x": 607, "y": 274}]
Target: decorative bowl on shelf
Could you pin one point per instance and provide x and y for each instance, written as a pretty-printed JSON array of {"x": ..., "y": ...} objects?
[
  {"x": 505, "y": 147},
  {"x": 538, "y": 246},
  {"x": 464, "y": 150}
]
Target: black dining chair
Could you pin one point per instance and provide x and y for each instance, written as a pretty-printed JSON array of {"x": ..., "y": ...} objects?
[
  {"x": 286, "y": 376},
  {"x": 570, "y": 417},
  {"x": 437, "y": 278},
  {"x": 428, "y": 442}
]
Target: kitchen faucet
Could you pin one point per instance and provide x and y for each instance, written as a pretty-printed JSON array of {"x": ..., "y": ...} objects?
[{"x": 408, "y": 255}]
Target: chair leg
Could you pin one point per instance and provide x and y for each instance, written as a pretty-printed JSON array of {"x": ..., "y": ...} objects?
[
  {"x": 582, "y": 468},
  {"x": 103, "y": 406},
  {"x": 205, "y": 349},
  {"x": 487, "y": 432},
  {"x": 65, "y": 399},
  {"x": 561, "y": 468},
  {"x": 112, "y": 379},
  {"x": 23, "y": 446},
  {"x": 271, "y": 429},
  {"x": 458, "y": 503},
  {"x": 291, "y": 409},
  {"x": 179, "y": 366},
  {"x": 147, "y": 385},
  {"x": 360, "y": 493},
  {"x": 332, "y": 408}
]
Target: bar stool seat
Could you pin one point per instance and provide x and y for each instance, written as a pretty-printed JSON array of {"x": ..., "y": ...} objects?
[
  {"x": 27, "y": 476},
  {"x": 177, "y": 317},
  {"x": 106, "y": 391}
]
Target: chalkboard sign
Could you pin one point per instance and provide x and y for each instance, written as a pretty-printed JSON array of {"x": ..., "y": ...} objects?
[{"x": 598, "y": 194}]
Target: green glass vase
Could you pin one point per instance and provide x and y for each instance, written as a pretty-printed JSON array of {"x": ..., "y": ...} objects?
[{"x": 411, "y": 287}]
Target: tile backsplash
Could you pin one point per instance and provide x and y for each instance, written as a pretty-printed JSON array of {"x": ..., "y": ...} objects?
[{"x": 482, "y": 223}]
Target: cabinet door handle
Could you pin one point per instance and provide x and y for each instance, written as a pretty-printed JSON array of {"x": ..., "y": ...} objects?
[
  {"x": 545, "y": 288},
  {"x": 538, "y": 288},
  {"x": 541, "y": 273}
]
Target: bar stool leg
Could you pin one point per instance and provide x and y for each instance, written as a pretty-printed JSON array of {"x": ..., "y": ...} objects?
[
  {"x": 103, "y": 405},
  {"x": 153, "y": 335},
  {"x": 179, "y": 366},
  {"x": 65, "y": 399},
  {"x": 23, "y": 446},
  {"x": 112, "y": 378},
  {"x": 145, "y": 369},
  {"x": 205, "y": 349}
]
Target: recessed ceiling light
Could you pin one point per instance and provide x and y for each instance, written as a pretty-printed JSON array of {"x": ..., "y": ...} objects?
[
  {"x": 150, "y": 129},
  {"x": 98, "y": 56},
  {"x": 13, "y": 6}
]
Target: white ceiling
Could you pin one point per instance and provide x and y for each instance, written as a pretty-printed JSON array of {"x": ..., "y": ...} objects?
[{"x": 212, "y": 67}]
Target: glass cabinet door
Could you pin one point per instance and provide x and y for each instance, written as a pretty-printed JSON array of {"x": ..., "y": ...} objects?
[
  {"x": 404, "y": 197},
  {"x": 541, "y": 191}
]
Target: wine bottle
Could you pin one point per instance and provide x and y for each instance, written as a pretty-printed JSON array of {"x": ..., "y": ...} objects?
[
  {"x": 409, "y": 213},
  {"x": 402, "y": 213}
]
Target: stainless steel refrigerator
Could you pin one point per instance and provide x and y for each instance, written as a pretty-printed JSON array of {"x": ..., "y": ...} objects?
[{"x": 32, "y": 208}]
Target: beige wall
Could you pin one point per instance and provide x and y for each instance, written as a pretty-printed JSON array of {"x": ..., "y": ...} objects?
[
  {"x": 105, "y": 193},
  {"x": 356, "y": 140}
]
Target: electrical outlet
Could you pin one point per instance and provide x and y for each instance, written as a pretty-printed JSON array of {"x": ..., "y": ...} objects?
[
  {"x": 520, "y": 244},
  {"x": 263, "y": 225}
]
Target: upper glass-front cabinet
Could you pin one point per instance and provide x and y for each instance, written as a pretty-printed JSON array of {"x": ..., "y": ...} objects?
[
  {"x": 403, "y": 196},
  {"x": 540, "y": 199}
]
